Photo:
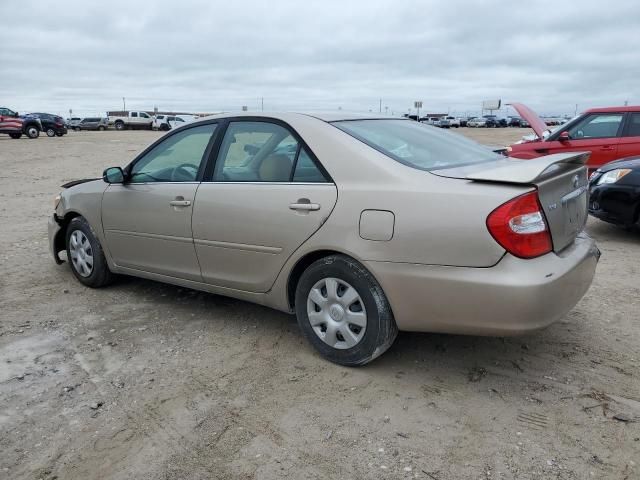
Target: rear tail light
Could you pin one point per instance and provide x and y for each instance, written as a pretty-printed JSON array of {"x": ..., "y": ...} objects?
[{"x": 519, "y": 225}]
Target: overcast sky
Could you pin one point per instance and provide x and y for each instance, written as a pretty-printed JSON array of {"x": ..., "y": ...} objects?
[{"x": 210, "y": 56}]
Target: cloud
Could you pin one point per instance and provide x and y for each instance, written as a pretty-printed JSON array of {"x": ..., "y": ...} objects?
[{"x": 212, "y": 56}]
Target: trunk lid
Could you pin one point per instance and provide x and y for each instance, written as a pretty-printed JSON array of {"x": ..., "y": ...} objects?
[
  {"x": 537, "y": 124},
  {"x": 561, "y": 181}
]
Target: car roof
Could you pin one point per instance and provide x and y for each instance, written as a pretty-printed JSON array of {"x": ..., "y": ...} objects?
[
  {"x": 324, "y": 116},
  {"x": 632, "y": 108}
]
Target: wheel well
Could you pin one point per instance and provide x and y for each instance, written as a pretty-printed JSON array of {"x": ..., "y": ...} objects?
[
  {"x": 300, "y": 267},
  {"x": 60, "y": 240}
]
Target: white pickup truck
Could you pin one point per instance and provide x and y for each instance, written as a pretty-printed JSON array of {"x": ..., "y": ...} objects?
[{"x": 133, "y": 119}]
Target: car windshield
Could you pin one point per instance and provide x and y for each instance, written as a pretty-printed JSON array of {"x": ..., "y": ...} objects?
[{"x": 417, "y": 145}]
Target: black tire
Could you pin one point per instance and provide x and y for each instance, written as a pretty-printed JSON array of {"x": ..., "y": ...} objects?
[
  {"x": 101, "y": 128},
  {"x": 15, "y": 136},
  {"x": 59, "y": 134},
  {"x": 381, "y": 329},
  {"x": 100, "y": 274},
  {"x": 32, "y": 131},
  {"x": 51, "y": 132},
  {"x": 119, "y": 125}
]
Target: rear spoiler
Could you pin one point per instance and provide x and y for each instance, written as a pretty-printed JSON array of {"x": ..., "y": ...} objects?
[{"x": 527, "y": 171}]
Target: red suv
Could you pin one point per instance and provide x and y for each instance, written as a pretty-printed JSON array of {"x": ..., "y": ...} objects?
[{"x": 608, "y": 133}]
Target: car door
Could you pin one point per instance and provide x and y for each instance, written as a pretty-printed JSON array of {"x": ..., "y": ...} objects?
[
  {"x": 598, "y": 133},
  {"x": 144, "y": 119},
  {"x": 629, "y": 145},
  {"x": 147, "y": 220},
  {"x": 9, "y": 122},
  {"x": 267, "y": 195}
]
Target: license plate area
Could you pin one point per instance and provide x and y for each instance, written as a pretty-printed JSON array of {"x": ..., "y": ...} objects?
[{"x": 564, "y": 199}]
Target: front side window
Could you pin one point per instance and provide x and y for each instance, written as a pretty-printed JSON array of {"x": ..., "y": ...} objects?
[
  {"x": 416, "y": 145},
  {"x": 144, "y": 115},
  {"x": 597, "y": 126},
  {"x": 633, "y": 130},
  {"x": 176, "y": 159},
  {"x": 256, "y": 152}
]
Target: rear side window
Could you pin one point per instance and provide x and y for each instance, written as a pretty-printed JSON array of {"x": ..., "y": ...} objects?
[
  {"x": 306, "y": 170},
  {"x": 633, "y": 130},
  {"x": 417, "y": 145}
]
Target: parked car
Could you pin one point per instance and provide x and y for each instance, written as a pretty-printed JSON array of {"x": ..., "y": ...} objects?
[
  {"x": 608, "y": 133},
  {"x": 493, "y": 121},
  {"x": 331, "y": 232},
  {"x": 453, "y": 122},
  {"x": 14, "y": 125},
  {"x": 477, "y": 122},
  {"x": 93, "y": 123},
  {"x": 52, "y": 125},
  {"x": 160, "y": 122},
  {"x": 73, "y": 122},
  {"x": 614, "y": 192},
  {"x": 133, "y": 120},
  {"x": 514, "y": 121},
  {"x": 177, "y": 121},
  {"x": 442, "y": 122}
]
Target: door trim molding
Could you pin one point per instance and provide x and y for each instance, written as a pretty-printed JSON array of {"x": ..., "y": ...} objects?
[
  {"x": 238, "y": 246},
  {"x": 151, "y": 235}
]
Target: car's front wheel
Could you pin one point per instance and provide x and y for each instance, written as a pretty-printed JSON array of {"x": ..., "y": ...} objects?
[
  {"x": 15, "y": 135},
  {"x": 119, "y": 125},
  {"x": 343, "y": 312},
  {"x": 51, "y": 132},
  {"x": 85, "y": 255}
]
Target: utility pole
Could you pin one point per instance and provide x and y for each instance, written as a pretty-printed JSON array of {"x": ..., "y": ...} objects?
[
  {"x": 576, "y": 111},
  {"x": 262, "y": 104},
  {"x": 124, "y": 105},
  {"x": 380, "y": 106}
]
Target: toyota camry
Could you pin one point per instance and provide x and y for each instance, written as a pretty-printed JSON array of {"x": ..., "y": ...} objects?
[{"x": 361, "y": 226}]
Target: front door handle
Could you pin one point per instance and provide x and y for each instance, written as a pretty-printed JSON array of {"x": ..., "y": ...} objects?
[
  {"x": 606, "y": 148},
  {"x": 305, "y": 205}
]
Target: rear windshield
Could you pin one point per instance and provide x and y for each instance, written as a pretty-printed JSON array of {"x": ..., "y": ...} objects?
[{"x": 417, "y": 145}]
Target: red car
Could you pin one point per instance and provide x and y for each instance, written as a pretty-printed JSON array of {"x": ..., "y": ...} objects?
[{"x": 608, "y": 133}]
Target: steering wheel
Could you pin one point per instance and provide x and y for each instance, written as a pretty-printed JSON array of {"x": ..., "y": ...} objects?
[{"x": 185, "y": 172}]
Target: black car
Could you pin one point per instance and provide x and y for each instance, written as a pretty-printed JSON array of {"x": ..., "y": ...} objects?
[
  {"x": 614, "y": 192},
  {"x": 495, "y": 122},
  {"x": 514, "y": 122},
  {"x": 52, "y": 125}
]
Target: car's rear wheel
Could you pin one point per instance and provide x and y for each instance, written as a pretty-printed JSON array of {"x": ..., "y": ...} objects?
[
  {"x": 101, "y": 128},
  {"x": 59, "y": 134},
  {"x": 85, "y": 255},
  {"x": 343, "y": 312},
  {"x": 119, "y": 125},
  {"x": 32, "y": 131},
  {"x": 51, "y": 132},
  {"x": 15, "y": 135}
]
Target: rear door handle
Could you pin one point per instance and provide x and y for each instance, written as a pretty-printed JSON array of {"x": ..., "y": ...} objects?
[
  {"x": 305, "y": 205},
  {"x": 180, "y": 202}
]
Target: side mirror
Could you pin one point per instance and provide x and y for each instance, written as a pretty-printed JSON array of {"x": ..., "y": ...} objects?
[
  {"x": 113, "y": 175},
  {"x": 564, "y": 137}
]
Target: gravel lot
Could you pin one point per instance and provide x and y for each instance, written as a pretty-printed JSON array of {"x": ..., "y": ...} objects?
[{"x": 148, "y": 381}]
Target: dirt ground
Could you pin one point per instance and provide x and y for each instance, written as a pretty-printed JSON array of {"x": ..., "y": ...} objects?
[{"x": 142, "y": 380}]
